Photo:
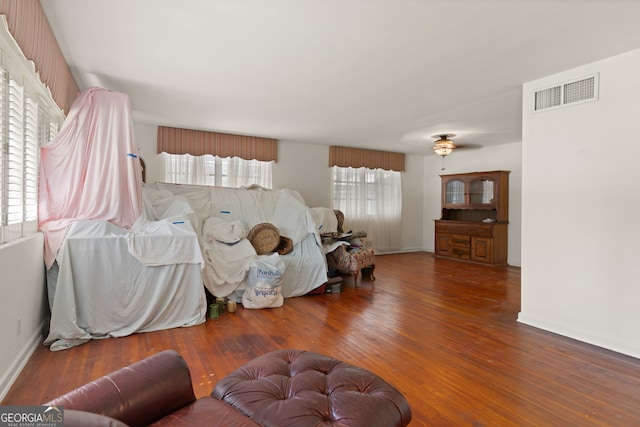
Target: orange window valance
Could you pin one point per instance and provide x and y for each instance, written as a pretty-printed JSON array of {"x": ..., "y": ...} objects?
[
  {"x": 373, "y": 159},
  {"x": 198, "y": 143}
]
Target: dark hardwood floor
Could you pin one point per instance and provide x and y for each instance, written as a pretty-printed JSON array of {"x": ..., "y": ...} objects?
[{"x": 443, "y": 332}]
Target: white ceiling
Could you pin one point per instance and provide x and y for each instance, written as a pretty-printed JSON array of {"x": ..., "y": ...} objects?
[{"x": 379, "y": 74}]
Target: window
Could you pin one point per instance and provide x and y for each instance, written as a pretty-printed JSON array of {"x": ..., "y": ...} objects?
[
  {"x": 28, "y": 119},
  {"x": 371, "y": 200},
  {"x": 215, "y": 171}
]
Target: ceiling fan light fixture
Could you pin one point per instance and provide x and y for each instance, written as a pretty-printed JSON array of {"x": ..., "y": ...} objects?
[{"x": 444, "y": 145}]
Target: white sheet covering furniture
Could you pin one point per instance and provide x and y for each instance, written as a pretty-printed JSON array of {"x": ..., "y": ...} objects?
[
  {"x": 117, "y": 262},
  {"x": 90, "y": 170},
  {"x": 111, "y": 282},
  {"x": 226, "y": 266}
]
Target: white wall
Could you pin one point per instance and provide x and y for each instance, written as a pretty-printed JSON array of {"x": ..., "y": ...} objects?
[
  {"x": 581, "y": 204},
  {"x": 146, "y": 138},
  {"x": 304, "y": 168},
  {"x": 23, "y": 301},
  {"x": 503, "y": 157},
  {"x": 413, "y": 204}
]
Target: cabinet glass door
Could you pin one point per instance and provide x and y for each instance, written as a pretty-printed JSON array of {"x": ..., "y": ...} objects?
[
  {"x": 481, "y": 192},
  {"x": 454, "y": 192}
]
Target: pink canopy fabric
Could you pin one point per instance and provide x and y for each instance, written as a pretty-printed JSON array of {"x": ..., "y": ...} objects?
[{"x": 90, "y": 170}]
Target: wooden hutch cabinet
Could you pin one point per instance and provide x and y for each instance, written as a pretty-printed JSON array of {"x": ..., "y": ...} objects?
[{"x": 475, "y": 216}]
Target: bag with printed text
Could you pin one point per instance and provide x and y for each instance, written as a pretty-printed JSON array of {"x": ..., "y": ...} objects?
[{"x": 264, "y": 283}]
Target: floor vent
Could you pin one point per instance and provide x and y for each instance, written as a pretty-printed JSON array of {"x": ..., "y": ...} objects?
[{"x": 569, "y": 93}]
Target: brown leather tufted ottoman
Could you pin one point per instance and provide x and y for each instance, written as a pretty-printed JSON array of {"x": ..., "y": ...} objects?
[{"x": 301, "y": 388}]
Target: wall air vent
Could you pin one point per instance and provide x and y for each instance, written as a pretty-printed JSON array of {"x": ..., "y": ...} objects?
[
  {"x": 548, "y": 98},
  {"x": 573, "y": 92}
]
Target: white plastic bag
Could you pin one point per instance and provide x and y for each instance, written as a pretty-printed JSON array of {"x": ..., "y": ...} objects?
[{"x": 264, "y": 283}]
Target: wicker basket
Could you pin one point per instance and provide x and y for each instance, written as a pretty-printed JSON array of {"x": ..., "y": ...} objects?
[{"x": 264, "y": 237}]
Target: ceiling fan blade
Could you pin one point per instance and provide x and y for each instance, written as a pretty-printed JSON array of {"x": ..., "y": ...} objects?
[{"x": 464, "y": 146}]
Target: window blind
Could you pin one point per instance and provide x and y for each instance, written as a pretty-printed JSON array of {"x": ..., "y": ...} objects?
[
  {"x": 28, "y": 118},
  {"x": 15, "y": 153}
]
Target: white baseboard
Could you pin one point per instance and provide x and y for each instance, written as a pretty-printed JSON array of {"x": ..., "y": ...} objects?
[
  {"x": 19, "y": 363},
  {"x": 399, "y": 251},
  {"x": 581, "y": 335}
]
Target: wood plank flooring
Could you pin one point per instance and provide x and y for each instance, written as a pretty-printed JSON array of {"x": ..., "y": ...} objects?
[{"x": 443, "y": 332}]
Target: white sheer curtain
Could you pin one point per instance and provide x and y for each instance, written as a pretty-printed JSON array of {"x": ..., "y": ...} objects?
[
  {"x": 215, "y": 171},
  {"x": 237, "y": 172},
  {"x": 371, "y": 200}
]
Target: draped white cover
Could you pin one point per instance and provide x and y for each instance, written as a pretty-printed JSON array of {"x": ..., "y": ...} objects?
[
  {"x": 90, "y": 170},
  {"x": 226, "y": 266},
  {"x": 113, "y": 282},
  {"x": 109, "y": 281}
]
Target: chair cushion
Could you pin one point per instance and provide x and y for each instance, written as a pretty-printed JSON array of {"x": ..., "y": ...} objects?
[
  {"x": 295, "y": 388},
  {"x": 352, "y": 260}
]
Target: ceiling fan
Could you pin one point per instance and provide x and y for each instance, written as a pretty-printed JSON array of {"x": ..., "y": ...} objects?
[{"x": 444, "y": 146}]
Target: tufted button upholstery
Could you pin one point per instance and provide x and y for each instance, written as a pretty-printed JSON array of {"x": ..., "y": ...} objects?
[{"x": 301, "y": 388}]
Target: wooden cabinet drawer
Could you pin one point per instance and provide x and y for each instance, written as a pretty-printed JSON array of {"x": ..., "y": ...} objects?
[
  {"x": 460, "y": 241},
  {"x": 460, "y": 252},
  {"x": 460, "y": 246},
  {"x": 466, "y": 228}
]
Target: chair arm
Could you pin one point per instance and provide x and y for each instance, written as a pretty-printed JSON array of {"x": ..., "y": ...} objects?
[{"x": 138, "y": 394}]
